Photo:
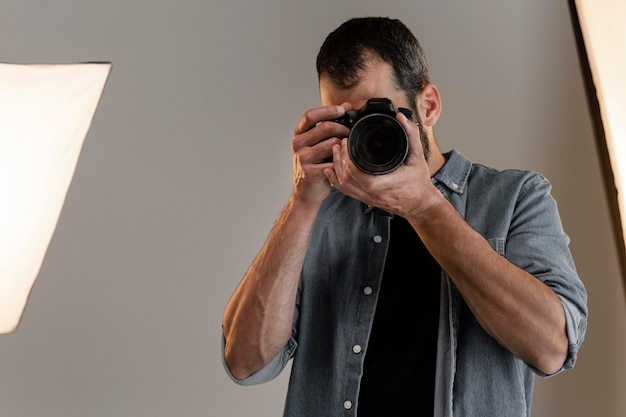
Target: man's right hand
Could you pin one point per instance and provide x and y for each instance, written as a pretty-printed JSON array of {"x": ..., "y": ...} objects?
[{"x": 313, "y": 140}]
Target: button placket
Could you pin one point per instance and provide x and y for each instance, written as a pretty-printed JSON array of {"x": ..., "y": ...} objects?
[{"x": 368, "y": 290}]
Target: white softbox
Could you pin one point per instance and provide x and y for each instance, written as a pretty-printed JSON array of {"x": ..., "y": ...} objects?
[{"x": 45, "y": 113}]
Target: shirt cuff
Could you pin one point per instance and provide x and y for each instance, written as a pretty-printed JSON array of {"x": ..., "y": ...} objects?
[{"x": 269, "y": 371}]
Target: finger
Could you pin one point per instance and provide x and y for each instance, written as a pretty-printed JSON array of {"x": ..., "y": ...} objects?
[
  {"x": 413, "y": 131},
  {"x": 329, "y": 173},
  {"x": 313, "y": 116},
  {"x": 310, "y": 132},
  {"x": 321, "y": 132},
  {"x": 345, "y": 169},
  {"x": 349, "y": 179},
  {"x": 323, "y": 151},
  {"x": 347, "y": 106},
  {"x": 407, "y": 124},
  {"x": 348, "y": 168},
  {"x": 337, "y": 168}
]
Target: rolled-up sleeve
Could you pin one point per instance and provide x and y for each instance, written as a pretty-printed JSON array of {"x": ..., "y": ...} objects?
[
  {"x": 538, "y": 244},
  {"x": 269, "y": 371}
]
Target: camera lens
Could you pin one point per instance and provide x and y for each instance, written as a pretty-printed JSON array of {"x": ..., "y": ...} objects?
[{"x": 378, "y": 144}]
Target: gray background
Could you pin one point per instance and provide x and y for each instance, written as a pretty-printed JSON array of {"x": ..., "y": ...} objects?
[{"x": 188, "y": 163}]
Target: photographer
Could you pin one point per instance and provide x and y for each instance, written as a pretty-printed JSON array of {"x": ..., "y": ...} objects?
[{"x": 438, "y": 288}]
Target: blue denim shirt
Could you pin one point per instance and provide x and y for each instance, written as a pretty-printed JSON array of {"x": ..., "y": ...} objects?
[{"x": 341, "y": 277}]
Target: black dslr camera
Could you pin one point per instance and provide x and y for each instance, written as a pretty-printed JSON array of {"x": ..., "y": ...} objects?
[{"x": 377, "y": 144}]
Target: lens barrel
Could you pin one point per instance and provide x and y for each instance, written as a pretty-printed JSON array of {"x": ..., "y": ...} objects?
[{"x": 378, "y": 144}]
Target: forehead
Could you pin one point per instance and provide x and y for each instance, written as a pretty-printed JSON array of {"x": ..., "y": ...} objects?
[{"x": 376, "y": 81}]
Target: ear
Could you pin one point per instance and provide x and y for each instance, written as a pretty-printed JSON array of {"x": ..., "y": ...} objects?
[{"x": 429, "y": 105}]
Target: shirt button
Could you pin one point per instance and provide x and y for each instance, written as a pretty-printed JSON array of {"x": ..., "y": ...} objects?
[
  {"x": 347, "y": 404},
  {"x": 378, "y": 239},
  {"x": 356, "y": 348},
  {"x": 367, "y": 290}
]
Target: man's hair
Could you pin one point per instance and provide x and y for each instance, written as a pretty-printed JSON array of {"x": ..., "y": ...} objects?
[{"x": 349, "y": 48}]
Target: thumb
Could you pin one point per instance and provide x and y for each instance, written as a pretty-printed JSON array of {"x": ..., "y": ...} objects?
[{"x": 413, "y": 131}]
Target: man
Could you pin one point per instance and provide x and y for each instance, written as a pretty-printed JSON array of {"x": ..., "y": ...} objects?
[{"x": 437, "y": 289}]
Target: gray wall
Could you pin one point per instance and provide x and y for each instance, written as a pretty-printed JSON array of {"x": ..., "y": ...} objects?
[{"x": 188, "y": 163}]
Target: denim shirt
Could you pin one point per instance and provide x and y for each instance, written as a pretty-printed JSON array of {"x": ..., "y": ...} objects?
[{"x": 341, "y": 277}]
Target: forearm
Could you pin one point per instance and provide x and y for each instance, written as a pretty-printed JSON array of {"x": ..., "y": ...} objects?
[
  {"x": 515, "y": 308},
  {"x": 259, "y": 316}
]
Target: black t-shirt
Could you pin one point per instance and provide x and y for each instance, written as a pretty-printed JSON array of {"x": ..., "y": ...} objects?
[{"x": 399, "y": 371}]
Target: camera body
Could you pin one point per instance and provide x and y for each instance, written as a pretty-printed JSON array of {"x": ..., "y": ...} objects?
[{"x": 377, "y": 143}]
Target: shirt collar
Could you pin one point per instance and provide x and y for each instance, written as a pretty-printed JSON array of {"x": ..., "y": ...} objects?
[{"x": 454, "y": 173}]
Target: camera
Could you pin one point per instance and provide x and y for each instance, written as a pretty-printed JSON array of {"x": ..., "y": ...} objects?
[{"x": 377, "y": 143}]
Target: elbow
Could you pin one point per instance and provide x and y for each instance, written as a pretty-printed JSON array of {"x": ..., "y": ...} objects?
[
  {"x": 553, "y": 364},
  {"x": 551, "y": 360},
  {"x": 232, "y": 354},
  {"x": 553, "y": 353},
  {"x": 236, "y": 366},
  {"x": 237, "y": 372}
]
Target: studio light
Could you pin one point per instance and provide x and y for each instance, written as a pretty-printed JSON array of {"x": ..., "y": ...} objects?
[
  {"x": 601, "y": 29},
  {"x": 45, "y": 113}
]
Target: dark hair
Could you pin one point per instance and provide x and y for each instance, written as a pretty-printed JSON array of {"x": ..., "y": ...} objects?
[{"x": 350, "y": 47}]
